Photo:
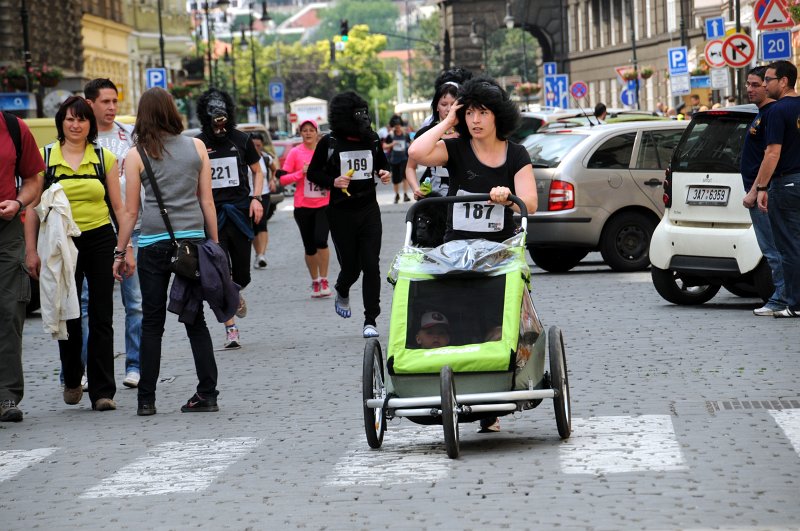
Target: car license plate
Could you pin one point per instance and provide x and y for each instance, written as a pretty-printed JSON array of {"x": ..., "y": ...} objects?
[{"x": 708, "y": 195}]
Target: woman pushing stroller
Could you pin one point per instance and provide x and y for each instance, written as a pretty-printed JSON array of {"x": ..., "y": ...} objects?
[{"x": 481, "y": 160}]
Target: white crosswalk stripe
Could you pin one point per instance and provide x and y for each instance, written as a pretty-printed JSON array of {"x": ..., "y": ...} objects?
[
  {"x": 12, "y": 462},
  {"x": 174, "y": 467},
  {"x": 408, "y": 455},
  {"x": 608, "y": 445},
  {"x": 789, "y": 421}
]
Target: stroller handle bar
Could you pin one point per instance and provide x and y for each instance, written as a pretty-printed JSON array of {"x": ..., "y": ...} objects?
[{"x": 471, "y": 198}]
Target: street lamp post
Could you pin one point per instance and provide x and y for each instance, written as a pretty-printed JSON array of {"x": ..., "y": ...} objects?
[
  {"x": 509, "y": 21},
  {"x": 208, "y": 50},
  {"x": 161, "y": 35},
  {"x": 633, "y": 52},
  {"x": 474, "y": 36},
  {"x": 26, "y": 45}
]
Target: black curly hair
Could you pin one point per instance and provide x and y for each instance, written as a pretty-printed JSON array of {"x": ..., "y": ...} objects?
[
  {"x": 484, "y": 93},
  {"x": 205, "y": 118}
]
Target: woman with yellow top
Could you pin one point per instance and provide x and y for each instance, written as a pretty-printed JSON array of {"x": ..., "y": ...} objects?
[{"x": 90, "y": 178}]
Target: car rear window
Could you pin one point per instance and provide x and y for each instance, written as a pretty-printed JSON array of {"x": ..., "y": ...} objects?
[
  {"x": 547, "y": 150},
  {"x": 712, "y": 142}
]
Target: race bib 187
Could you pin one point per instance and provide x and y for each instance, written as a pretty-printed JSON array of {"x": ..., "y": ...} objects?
[
  {"x": 358, "y": 161},
  {"x": 477, "y": 217},
  {"x": 224, "y": 172}
]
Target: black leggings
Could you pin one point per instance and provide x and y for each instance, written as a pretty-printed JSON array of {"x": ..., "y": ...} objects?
[
  {"x": 313, "y": 225},
  {"x": 357, "y": 238}
]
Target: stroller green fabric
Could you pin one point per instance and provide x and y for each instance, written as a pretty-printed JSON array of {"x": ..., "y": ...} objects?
[{"x": 476, "y": 283}]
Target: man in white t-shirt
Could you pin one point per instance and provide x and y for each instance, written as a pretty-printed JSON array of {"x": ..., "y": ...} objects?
[{"x": 102, "y": 96}]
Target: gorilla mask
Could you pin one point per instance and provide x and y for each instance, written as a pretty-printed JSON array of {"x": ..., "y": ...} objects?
[
  {"x": 216, "y": 112},
  {"x": 361, "y": 118},
  {"x": 219, "y": 115}
]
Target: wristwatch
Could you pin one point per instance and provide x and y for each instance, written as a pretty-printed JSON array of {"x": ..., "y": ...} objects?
[{"x": 256, "y": 197}]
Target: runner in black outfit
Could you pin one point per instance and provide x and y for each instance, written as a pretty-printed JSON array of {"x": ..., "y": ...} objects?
[
  {"x": 231, "y": 153},
  {"x": 346, "y": 161}
]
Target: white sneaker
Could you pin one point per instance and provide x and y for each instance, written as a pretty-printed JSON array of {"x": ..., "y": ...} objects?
[
  {"x": 85, "y": 382},
  {"x": 131, "y": 379},
  {"x": 232, "y": 338},
  {"x": 765, "y": 311},
  {"x": 260, "y": 262}
]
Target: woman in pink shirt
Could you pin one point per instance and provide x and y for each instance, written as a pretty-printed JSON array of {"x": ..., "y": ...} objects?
[{"x": 310, "y": 203}]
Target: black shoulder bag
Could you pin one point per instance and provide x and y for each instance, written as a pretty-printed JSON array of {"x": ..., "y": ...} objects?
[{"x": 185, "y": 258}]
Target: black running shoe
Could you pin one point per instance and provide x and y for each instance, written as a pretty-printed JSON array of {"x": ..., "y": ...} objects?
[{"x": 201, "y": 405}]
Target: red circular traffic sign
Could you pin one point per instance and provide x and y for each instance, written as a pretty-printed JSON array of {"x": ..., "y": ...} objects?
[
  {"x": 578, "y": 89},
  {"x": 713, "y": 53},
  {"x": 738, "y": 50},
  {"x": 292, "y": 117}
]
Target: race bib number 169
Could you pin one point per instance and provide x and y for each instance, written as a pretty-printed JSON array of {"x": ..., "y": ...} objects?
[{"x": 359, "y": 161}]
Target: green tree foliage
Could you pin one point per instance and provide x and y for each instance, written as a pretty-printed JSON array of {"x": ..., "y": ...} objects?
[
  {"x": 307, "y": 70},
  {"x": 506, "y": 56},
  {"x": 428, "y": 60},
  {"x": 379, "y": 15}
]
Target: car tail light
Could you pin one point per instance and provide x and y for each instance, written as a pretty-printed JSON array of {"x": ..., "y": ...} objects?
[
  {"x": 562, "y": 196},
  {"x": 668, "y": 188}
]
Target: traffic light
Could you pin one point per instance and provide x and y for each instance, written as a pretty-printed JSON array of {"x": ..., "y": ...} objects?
[{"x": 344, "y": 29}]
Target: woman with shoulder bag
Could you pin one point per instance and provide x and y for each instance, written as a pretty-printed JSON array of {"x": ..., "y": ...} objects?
[{"x": 181, "y": 169}]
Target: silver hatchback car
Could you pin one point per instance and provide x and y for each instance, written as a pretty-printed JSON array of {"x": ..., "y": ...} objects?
[{"x": 600, "y": 188}]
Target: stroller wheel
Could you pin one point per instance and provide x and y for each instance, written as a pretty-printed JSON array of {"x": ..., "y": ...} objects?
[
  {"x": 372, "y": 386},
  {"x": 559, "y": 381},
  {"x": 449, "y": 411}
]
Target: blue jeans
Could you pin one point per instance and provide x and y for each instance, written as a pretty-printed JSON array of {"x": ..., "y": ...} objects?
[
  {"x": 763, "y": 230},
  {"x": 154, "y": 276},
  {"x": 132, "y": 300},
  {"x": 784, "y": 214}
]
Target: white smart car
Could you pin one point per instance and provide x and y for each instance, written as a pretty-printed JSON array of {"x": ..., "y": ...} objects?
[{"x": 705, "y": 239}]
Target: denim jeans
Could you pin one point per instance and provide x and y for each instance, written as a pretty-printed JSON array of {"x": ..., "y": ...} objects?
[
  {"x": 763, "y": 230},
  {"x": 784, "y": 214},
  {"x": 132, "y": 300},
  {"x": 154, "y": 276}
]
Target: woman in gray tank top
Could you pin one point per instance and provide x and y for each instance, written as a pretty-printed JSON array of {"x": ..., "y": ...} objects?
[{"x": 183, "y": 173}]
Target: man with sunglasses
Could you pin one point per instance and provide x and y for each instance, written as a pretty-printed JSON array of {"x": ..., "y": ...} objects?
[
  {"x": 752, "y": 156},
  {"x": 778, "y": 180}
]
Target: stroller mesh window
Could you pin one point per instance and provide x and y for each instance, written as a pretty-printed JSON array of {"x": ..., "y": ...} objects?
[{"x": 473, "y": 306}]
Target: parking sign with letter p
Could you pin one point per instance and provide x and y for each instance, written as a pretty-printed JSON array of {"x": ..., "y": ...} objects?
[{"x": 156, "y": 77}]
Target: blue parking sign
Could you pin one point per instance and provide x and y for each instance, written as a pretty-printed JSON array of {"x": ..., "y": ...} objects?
[
  {"x": 155, "y": 77},
  {"x": 276, "y": 91},
  {"x": 776, "y": 45},
  {"x": 678, "y": 60}
]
